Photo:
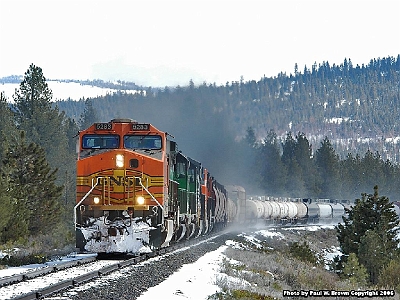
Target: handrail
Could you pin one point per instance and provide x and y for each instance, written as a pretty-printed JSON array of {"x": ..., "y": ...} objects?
[
  {"x": 84, "y": 197},
  {"x": 148, "y": 192},
  {"x": 97, "y": 182}
]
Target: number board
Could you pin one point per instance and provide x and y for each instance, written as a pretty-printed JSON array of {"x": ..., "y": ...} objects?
[
  {"x": 142, "y": 127},
  {"x": 103, "y": 126}
]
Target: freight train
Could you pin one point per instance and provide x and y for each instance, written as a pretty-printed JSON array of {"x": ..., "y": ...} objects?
[
  {"x": 295, "y": 211},
  {"x": 283, "y": 211},
  {"x": 288, "y": 211},
  {"x": 137, "y": 192}
]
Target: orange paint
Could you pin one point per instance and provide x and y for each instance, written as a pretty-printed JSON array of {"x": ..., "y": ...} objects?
[{"x": 121, "y": 185}]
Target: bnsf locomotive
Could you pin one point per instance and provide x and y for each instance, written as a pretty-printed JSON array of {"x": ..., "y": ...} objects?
[{"x": 136, "y": 192}]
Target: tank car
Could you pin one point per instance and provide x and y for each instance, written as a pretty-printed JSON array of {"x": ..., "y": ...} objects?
[
  {"x": 337, "y": 212},
  {"x": 275, "y": 213},
  {"x": 136, "y": 192},
  {"x": 237, "y": 203},
  {"x": 254, "y": 210},
  {"x": 301, "y": 212}
]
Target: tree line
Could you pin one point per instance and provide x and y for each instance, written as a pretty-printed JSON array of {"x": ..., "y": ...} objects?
[{"x": 292, "y": 168}]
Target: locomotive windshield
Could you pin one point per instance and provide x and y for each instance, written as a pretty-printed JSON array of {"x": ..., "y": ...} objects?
[
  {"x": 148, "y": 142},
  {"x": 100, "y": 141}
]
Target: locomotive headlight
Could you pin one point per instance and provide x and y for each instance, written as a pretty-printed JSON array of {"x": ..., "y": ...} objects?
[
  {"x": 96, "y": 200},
  {"x": 140, "y": 200},
  {"x": 119, "y": 160}
]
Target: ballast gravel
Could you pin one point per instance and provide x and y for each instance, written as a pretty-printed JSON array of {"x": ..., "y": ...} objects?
[{"x": 139, "y": 278}]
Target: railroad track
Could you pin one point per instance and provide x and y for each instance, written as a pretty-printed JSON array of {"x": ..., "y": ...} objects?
[
  {"x": 45, "y": 282},
  {"x": 5, "y": 281}
]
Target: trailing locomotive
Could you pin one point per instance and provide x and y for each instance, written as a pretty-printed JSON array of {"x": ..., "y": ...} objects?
[{"x": 136, "y": 192}]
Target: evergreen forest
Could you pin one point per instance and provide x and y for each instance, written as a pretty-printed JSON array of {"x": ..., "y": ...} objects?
[{"x": 298, "y": 135}]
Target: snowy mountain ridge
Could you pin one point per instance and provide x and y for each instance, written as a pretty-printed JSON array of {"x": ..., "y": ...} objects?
[{"x": 71, "y": 89}]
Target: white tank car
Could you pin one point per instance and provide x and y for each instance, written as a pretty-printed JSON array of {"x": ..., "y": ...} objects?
[
  {"x": 325, "y": 212},
  {"x": 301, "y": 211},
  {"x": 254, "y": 210},
  {"x": 276, "y": 211},
  {"x": 267, "y": 210},
  {"x": 284, "y": 210},
  {"x": 337, "y": 212},
  {"x": 312, "y": 212},
  {"x": 292, "y": 212}
]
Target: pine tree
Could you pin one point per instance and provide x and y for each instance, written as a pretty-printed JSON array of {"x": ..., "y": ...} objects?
[
  {"x": 303, "y": 155},
  {"x": 370, "y": 231},
  {"x": 6, "y": 206},
  {"x": 289, "y": 149},
  {"x": 16, "y": 226},
  {"x": 251, "y": 139},
  {"x": 295, "y": 184},
  {"x": 272, "y": 171},
  {"x": 352, "y": 182},
  {"x": 354, "y": 271},
  {"x": 372, "y": 254},
  {"x": 327, "y": 162},
  {"x": 7, "y": 127},
  {"x": 88, "y": 117},
  {"x": 32, "y": 188},
  {"x": 33, "y": 95},
  {"x": 43, "y": 124},
  {"x": 389, "y": 277}
]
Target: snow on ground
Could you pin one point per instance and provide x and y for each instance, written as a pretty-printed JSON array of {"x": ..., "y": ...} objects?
[
  {"x": 33, "y": 267},
  {"x": 65, "y": 90},
  {"x": 197, "y": 280},
  {"x": 9, "y": 292},
  {"x": 330, "y": 254}
]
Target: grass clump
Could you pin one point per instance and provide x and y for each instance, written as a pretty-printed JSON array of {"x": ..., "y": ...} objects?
[
  {"x": 239, "y": 294},
  {"x": 263, "y": 269}
]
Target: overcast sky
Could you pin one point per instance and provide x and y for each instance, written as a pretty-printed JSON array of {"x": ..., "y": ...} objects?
[{"x": 158, "y": 43}]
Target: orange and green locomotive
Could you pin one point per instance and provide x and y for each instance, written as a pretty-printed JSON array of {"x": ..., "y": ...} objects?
[{"x": 136, "y": 192}]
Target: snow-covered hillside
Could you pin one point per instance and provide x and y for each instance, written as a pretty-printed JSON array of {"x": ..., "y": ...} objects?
[{"x": 65, "y": 90}]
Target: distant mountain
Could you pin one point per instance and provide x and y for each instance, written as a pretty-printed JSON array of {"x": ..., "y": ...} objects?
[{"x": 71, "y": 89}]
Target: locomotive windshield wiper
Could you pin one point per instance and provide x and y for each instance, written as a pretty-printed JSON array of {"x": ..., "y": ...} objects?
[
  {"x": 151, "y": 151},
  {"x": 141, "y": 139}
]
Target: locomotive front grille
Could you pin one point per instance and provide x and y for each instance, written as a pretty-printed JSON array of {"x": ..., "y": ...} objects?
[{"x": 118, "y": 192}]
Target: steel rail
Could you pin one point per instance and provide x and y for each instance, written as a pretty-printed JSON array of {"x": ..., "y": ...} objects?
[
  {"x": 44, "y": 271},
  {"x": 70, "y": 283}
]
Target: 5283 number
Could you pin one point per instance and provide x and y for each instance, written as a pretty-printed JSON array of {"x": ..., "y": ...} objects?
[
  {"x": 140, "y": 127},
  {"x": 103, "y": 126}
]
